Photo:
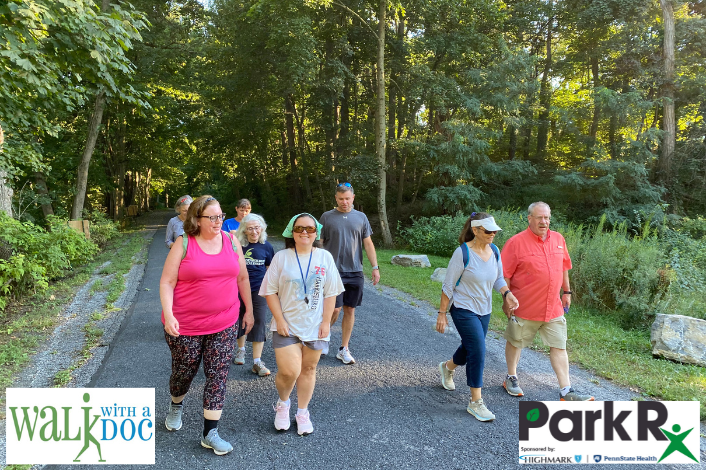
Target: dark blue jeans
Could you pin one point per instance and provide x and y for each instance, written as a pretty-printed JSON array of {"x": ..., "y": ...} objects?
[{"x": 472, "y": 328}]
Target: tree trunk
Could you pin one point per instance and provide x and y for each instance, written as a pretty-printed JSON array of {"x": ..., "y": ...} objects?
[
  {"x": 93, "y": 128},
  {"x": 82, "y": 179},
  {"x": 596, "y": 106},
  {"x": 512, "y": 130},
  {"x": 668, "y": 122},
  {"x": 380, "y": 126},
  {"x": 42, "y": 189},
  {"x": 545, "y": 96},
  {"x": 292, "y": 149},
  {"x": 400, "y": 184}
]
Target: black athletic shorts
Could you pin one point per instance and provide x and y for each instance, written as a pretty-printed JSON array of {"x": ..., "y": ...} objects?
[{"x": 353, "y": 295}]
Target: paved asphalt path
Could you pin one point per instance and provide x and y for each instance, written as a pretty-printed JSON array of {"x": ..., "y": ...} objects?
[{"x": 386, "y": 411}]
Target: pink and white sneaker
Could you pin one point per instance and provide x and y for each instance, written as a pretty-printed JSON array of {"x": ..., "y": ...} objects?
[
  {"x": 282, "y": 420},
  {"x": 304, "y": 425}
]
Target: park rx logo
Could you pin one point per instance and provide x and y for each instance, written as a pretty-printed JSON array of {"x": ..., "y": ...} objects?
[
  {"x": 80, "y": 426},
  {"x": 609, "y": 432}
]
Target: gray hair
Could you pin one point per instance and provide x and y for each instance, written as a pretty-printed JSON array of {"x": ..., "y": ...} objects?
[
  {"x": 240, "y": 232},
  {"x": 183, "y": 201},
  {"x": 535, "y": 204}
]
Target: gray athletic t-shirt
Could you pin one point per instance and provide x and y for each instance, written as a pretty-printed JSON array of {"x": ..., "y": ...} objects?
[{"x": 343, "y": 235}]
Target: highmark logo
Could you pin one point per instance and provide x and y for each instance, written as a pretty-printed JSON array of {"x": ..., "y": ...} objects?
[
  {"x": 86, "y": 426},
  {"x": 625, "y": 432}
]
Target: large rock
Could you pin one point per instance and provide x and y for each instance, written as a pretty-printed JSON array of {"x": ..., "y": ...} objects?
[
  {"x": 417, "y": 261},
  {"x": 439, "y": 275},
  {"x": 679, "y": 338}
]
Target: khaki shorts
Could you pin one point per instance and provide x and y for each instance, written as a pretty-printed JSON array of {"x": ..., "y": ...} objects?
[{"x": 520, "y": 332}]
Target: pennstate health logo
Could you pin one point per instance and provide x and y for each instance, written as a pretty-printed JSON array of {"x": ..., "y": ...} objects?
[
  {"x": 609, "y": 432},
  {"x": 80, "y": 426}
]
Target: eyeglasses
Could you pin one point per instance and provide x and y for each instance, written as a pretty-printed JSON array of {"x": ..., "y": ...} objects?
[
  {"x": 300, "y": 229},
  {"x": 347, "y": 185},
  {"x": 213, "y": 218},
  {"x": 253, "y": 229},
  {"x": 488, "y": 232}
]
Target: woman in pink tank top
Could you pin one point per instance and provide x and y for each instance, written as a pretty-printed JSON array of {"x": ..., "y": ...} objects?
[{"x": 199, "y": 292}]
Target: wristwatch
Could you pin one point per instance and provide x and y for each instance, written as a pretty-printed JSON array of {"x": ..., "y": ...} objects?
[
  {"x": 567, "y": 292},
  {"x": 376, "y": 267},
  {"x": 506, "y": 292}
]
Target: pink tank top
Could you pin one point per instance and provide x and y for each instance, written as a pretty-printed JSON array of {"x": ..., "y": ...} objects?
[{"x": 206, "y": 294}]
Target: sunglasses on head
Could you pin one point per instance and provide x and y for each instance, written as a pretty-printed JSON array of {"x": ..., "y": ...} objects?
[
  {"x": 347, "y": 185},
  {"x": 300, "y": 229}
]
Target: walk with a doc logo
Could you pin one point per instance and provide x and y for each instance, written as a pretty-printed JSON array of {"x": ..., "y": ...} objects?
[
  {"x": 80, "y": 426},
  {"x": 609, "y": 432}
]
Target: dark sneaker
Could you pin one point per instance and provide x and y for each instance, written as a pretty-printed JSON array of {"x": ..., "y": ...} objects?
[
  {"x": 574, "y": 396},
  {"x": 215, "y": 442},
  {"x": 512, "y": 387},
  {"x": 479, "y": 410},
  {"x": 173, "y": 421},
  {"x": 447, "y": 377}
]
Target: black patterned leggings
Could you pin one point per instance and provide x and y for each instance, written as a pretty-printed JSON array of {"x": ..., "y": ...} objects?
[{"x": 216, "y": 350}]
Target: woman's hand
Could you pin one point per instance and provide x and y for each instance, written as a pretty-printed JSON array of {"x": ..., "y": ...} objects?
[
  {"x": 171, "y": 325},
  {"x": 248, "y": 321},
  {"x": 283, "y": 328},
  {"x": 441, "y": 323},
  {"x": 512, "y": 302},
  {"x": 324, "y": 329}
]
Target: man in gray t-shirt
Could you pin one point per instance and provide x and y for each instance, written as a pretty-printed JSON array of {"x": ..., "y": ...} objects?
[{"x": 346, "y": 232}]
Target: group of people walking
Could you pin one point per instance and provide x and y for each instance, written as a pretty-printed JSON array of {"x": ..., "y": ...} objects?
[{"x": 221, "y": 276}]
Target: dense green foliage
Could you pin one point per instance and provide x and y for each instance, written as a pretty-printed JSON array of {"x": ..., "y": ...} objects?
[
  {"x": 661, "y": 270},
  {"x": 32, "y": 256}
]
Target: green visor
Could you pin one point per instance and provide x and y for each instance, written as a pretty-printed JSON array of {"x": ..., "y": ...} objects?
[{"x": 288, "y": 231}]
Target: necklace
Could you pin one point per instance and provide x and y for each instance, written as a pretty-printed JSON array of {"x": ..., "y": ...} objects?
[{"x": 296, "y": 255}]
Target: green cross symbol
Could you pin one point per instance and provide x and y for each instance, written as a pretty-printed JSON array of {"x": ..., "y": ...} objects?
[{"x": 676, "y": 443}]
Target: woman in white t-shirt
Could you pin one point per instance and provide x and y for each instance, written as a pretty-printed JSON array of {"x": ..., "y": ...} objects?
[{"x": 300, "y": 286}]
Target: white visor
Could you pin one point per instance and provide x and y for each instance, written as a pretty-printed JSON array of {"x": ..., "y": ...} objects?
[{"x": 487, "y": 223}]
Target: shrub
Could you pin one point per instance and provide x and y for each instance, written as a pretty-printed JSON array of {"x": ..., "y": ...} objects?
[
  {"x": 102, "y": 228},
  {"x": 34, "y": 256}
]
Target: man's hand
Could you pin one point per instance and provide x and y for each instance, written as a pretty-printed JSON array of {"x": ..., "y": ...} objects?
[
  {"x": 566, "y": 302},
  {"x": 507, "y": 310},
  {"x": 376, "y": 276},
  {"x": 248, "y": 321}
]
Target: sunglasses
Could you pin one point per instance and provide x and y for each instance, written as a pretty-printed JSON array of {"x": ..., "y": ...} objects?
[
  {"x": 347, "y": 185},
  {"x": 487, "y": 232},
  {"x": 213, "y": 218},
  {"x": 300, "y": 229}
]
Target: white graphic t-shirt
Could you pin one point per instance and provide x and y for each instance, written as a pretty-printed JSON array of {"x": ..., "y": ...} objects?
[{"x": 303, "y": 309}]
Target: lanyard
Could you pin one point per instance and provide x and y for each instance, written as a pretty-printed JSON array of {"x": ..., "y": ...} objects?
[{"x": 296, "y": 255}]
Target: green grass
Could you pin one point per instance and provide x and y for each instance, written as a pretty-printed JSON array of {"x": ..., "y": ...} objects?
[
  {"x": 25, "y": 324},
  {"x": 591, "y": 335}
]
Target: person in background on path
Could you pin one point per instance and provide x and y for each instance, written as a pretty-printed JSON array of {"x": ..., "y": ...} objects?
[
  {"x": 346, "y": 231},
  {"x": 175, "y": 227},
  {"x": 536, "y": 266},
  {"x": 300, "y": 286},
  {"x": 252, "y": 234},
  {"x": 468, "y": 286},
  {"x": 199, "y": 292},
  {"x": 242, "y": 208}
]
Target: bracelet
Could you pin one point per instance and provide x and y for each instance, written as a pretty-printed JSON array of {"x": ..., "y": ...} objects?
[
  {"x": 506, "y": 292},
  {"x": 567, "y": 292},
  {"x": 376, "y": 267},
  {"x": 442, "y": 312}
]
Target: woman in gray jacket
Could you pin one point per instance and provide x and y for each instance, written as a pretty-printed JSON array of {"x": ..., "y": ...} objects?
[{"x": 475, "y": 269}]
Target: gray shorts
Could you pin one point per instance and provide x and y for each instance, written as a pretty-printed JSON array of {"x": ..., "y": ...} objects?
[{"x": 279, "y": 341}]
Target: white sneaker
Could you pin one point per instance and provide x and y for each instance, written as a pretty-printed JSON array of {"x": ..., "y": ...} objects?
[
  {"x": 282, "y": 420},
  {"x": 447, "y": 377},
  {"x": 480, "y": 411},
  {"x": 345, "y": 356},
  {"x": 239, "y": 356},
  {"x": 304, "y": 425}
]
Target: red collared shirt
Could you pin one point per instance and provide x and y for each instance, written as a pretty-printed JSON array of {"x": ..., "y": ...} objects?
[{"x": 536, "y": 271}]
